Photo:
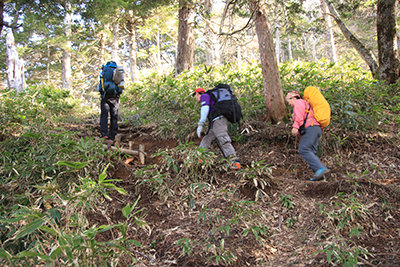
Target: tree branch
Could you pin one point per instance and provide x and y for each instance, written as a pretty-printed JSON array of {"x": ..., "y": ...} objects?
[
  {"x": 10, "y": 25},
  {"x": 229, "y": 3},
  {"x": 245, "y": 26},
  {"x": 364, "y": 52}
]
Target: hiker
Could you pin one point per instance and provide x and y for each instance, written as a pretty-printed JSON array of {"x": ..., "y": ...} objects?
[
  {"x": 218, "y": 128},
  {"x": 111, "y": 87},
  {"x": 303, "y": 116}
]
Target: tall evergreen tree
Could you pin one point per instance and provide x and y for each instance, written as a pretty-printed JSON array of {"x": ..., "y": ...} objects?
[{"x": 184, "y": 58}]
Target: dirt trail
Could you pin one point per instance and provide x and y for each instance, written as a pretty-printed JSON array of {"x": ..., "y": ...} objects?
[{"x": 365, "y": 171}]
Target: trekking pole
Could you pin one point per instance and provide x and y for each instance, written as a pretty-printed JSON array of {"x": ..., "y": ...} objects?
[
  {"x": 102, "y": 84},
  {"x": 219, "y": 146}
]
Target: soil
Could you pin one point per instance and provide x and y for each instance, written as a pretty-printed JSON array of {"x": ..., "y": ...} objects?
[{"x": 355, "y": 209}]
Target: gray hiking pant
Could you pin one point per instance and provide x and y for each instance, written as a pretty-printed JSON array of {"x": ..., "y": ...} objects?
[
  {"x": 219, "y": 130},
  {"x": 308, "y": 147}
]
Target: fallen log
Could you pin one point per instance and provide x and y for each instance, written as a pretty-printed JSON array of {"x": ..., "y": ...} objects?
[{"x": 139, "y": 152}]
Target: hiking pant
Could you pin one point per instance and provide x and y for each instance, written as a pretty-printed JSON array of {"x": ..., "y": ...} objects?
[
  {"x": 109, "y": 105},
  {"x": 219, "y": 130},
  {"x": 308, "y": 147}
]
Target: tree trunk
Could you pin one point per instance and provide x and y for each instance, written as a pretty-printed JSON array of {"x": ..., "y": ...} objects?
[
  {"x": 361, "y": 49},
  {"x": 102, "y": 45},
  {"x": 289, "y": 42},
  {"x": 159, "y": 67},
  {"x": 305, "y": 42},
  {"x": 397, "y": 45},
  {"x": 184, "y": 58},
  {"x": 277, "y": 36},
  {"x": 212, "y": 44},
  {"x": 48, "y": 63},
  {"x": 208, "y": 35},
  {"x": 398, "y": 41},
  {"x": 66, "y": 61},
  {"x": 313, "y": 47},
  {"x": 132, "y": 50},
  {"x": 209, "y": 50},
  {"x": 15, "y": 66},
  {"x": 386, "y": 30},
  {"x": 239, "y": 55},
  {"x": 1, "y": 15},
  {"x": 216, "y": 49},
  {"x": 273, "y": 92},
  {"x": 330, "y": 36},
  {"x": 115, "y": 43}
]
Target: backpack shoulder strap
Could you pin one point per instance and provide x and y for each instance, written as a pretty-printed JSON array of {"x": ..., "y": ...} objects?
[
  {"x": 212, "y": 96},
  {"x": 223, "y": 85},
  {"x": 309, "y": 106}
]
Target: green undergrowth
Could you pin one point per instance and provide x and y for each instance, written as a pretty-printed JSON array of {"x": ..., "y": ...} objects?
[
  {"x": 188, "y": 174},
  {"x": 187, "y": 165},
  {"x": 357, "y": 101},
  {"x": 51, "y": 179}
]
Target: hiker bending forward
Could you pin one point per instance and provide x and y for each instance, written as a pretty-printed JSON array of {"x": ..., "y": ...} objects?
[
  {"x": 309, "y": 140},
  {"x": 218, "y": 128}
]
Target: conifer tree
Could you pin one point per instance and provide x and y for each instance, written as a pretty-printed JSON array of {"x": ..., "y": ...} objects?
[{"x": 184, "y": 58}]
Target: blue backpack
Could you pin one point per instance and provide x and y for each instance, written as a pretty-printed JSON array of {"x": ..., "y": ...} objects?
[{"x": 108, "y": 86}]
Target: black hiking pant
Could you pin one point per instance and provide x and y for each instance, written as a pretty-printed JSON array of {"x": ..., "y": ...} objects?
[{"x": 109, "y": 105}]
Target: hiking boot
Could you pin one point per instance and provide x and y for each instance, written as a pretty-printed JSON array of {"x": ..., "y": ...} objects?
[
  {"x": 236, "y": 165},
  {"x": 318, "y": 180},
  {"x": 319, "y": 175}
]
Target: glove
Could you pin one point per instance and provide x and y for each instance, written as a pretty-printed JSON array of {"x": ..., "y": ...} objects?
[{"x": 199, "y": 129}]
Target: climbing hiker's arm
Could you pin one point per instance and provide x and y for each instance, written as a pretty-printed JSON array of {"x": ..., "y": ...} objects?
[
  {"x": 204, "y": 113},
  {"x": 203, "y": 116},
  {"x": 299, "y": 113}
]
